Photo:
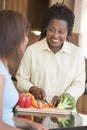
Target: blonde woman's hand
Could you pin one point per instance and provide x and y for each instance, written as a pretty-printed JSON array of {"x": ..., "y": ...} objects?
[{"x": 37, "y": 126}]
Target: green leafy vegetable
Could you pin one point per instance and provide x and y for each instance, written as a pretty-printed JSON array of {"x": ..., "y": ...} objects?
[
  {"x": 66, "y": 101},
  {"x": 66, "y": 122}
]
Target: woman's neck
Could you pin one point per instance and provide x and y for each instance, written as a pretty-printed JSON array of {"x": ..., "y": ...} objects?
[{"x": 55, "y": 49}]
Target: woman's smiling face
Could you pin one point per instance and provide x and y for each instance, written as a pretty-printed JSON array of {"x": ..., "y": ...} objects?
[{"x": 56, "y": 34}]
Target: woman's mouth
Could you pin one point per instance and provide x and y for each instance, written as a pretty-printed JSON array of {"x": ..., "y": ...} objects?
[{"x": 55, "y": 40}]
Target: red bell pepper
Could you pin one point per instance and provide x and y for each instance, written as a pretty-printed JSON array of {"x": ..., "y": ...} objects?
[{"x": 25, "y": 100}]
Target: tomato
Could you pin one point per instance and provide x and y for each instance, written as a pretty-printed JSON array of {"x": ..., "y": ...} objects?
[{"x": 25, "y": 100}]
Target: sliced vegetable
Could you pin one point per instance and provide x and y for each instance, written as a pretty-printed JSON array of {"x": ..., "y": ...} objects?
[{"x": 41, "y": 104}]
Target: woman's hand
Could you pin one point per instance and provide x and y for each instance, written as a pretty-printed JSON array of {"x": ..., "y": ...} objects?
[
  {"x": 37, "y": 126},
  {"x": 54, "y": 101},
  {"x": 28, "y": 124},
  {"x": 38, "y": 93}
]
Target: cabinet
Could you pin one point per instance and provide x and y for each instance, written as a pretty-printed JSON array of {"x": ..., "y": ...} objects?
[{"x": 36, "y": 11}]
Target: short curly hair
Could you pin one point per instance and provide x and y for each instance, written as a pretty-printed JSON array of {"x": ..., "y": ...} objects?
[{"x": 58, "y": 11}]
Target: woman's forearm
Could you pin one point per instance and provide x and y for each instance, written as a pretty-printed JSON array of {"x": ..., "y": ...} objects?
[
  {"x": 28, "y": 124},
  {"x": 4, "y": 126}
]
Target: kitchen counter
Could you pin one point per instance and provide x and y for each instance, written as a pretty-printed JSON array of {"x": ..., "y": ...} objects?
[{"x": 56, "y": 122}]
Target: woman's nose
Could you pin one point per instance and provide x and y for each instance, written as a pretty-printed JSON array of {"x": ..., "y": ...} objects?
[{"x": 55, "y": 35}]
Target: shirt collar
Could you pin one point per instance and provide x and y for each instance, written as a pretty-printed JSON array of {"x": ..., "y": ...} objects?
[
  {"x": 44, "y": 45},
  {"x": 65, "y": 48}
]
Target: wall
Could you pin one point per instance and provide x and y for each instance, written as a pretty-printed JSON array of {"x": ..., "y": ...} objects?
[
  {"x": 17, "y": 5},
  {"x": 69, "y": 3},
  {"x": 80, "y": 27}
]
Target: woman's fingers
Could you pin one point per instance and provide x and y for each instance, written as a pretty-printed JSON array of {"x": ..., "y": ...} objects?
[
  {"x": 54, "y": 101},
  {"x": 38, "y": 93}
]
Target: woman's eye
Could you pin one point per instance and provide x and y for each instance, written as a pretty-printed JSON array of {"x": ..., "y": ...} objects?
[
  {"x": 55, "y": 31},
  {"x": 61, "y": 32},
  {"x": 52, "y": 30}
]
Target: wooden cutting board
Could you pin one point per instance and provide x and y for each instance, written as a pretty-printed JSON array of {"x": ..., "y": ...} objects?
[{"x": 43, "y": 110}]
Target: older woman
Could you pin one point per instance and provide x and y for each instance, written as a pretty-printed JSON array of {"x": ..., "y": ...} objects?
[{"x": 53, "y": 66}]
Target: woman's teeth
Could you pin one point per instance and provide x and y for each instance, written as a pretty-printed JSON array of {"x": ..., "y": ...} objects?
[{"x": 55, "y": 40}]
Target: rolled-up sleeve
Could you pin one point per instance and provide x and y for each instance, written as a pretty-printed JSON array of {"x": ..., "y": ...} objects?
[
  {"x": 77, "y": 86},
  {"x": 24, "y": 72}
]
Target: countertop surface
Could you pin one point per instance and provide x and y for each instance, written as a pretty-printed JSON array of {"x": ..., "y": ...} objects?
[{"x": 54, "y": 122}]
